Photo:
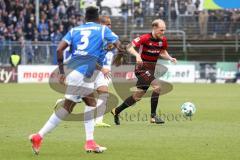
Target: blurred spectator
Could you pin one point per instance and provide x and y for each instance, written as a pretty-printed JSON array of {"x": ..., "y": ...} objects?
[
  {"x": 139, "y": 17},
  {"x": 174, "y": 17},
  {"x": 10, "y": 34},
  {"x": 3, "y": 29},
  {"x": 2, "y": 5},
  {"x": 136, "y": 3},
  {"x": 51, "y": 10},
  {"x": 218, "y": 23},
  {"x": 71, "y": 10},
  {"x": 203, "y": 21},
  {"x": 98, "y": 3},
  {"x": 235, "y": 19},
  {"x": 182, "y": 7},
  {"x": 130, "y": 7},
  {"x": 210, "y": 73},
  {"x": 166, "y": 7},
  {"x": 61, "y": 9},
  {"x": 42, "y": 24},
  {"x": 19, "y": 16},
  {"x": 15, "y": 59},
  {"x": 82, "y": 7},
  {"x": 150, "y": 9},
  {"x": 124, "y": 9},
  {"x": 197, "y": 4},
  {"x": 160, "y": 13},
  {"x": 29, "y": 32},
  {"x": 44, "y": 35},
  {"x": 190, "y": 12}
]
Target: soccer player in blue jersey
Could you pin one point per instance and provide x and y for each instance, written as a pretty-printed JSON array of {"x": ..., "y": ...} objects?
[
  {"x": 86, "y": 42},
  {"x": 100, "y": 82}
]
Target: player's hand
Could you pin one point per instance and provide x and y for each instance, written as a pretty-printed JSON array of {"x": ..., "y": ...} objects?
[
  {"x": 139, "y": 63},
  {"x": 173, "y": 60},
  {"x": 139, "y": 60},
  {"x": 110, "y": 47},
  {"x": 62, "y": 79},
  {"x": 106, "y": 72}
]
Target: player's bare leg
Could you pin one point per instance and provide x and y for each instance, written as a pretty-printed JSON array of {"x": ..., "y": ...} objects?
[
  {"x": 60, "y": 103},
  {"x": 59, "y": 115}
]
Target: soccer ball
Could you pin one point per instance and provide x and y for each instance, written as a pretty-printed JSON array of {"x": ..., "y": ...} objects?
[{"x": 188, "y": 108}]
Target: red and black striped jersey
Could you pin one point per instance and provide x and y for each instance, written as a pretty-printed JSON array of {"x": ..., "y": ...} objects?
[{"x": 150, "y": 48}]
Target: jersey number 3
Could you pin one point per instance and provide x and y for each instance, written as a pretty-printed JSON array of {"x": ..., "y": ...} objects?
[{"x": 84, "y": 42}]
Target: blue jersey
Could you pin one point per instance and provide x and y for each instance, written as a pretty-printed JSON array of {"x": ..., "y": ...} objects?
[{"x": 86, "y": 46}]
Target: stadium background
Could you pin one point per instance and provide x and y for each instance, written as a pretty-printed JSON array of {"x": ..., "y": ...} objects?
[
  {"x": 203, "y": 35},
  {"x": 199, "y": 32}
]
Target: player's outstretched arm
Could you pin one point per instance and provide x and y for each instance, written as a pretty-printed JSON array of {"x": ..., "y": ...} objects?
[{"x": 164, "y": 54}]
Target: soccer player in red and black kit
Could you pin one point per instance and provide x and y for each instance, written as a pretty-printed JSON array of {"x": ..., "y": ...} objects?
[{"x": 151, "y": 46}]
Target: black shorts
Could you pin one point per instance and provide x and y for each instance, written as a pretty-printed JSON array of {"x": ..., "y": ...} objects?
[{"x": 145, "y": 78}]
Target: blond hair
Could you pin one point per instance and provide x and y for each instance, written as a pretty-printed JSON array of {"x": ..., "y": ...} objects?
[{"x": 158, "y": 22}]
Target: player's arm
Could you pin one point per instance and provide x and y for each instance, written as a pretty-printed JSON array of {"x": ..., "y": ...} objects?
[
  {"x": 99, "y": 66},
  {"x": 132, "y": 51},
  {"x": 112, "y": 38},
  {"x": 164, "y": 54},
  {"x": 121, "y": 48},
  {"x": 61, "y": 47}
]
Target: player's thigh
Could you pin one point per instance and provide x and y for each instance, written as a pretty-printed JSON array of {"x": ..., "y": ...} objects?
[
  {"x": 90, "y": 100},
  {"x": 101, "y": 83},
  {"x": 69, "y": 105},
  {"x": 77, "y": 86},
  {"x": 102, "y": 89}
]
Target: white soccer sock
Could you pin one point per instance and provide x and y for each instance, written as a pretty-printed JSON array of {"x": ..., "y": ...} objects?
[
  {"x": 89, "y": 122},
  {"x": 101, "y": 107},
  {"x": 53, "y": 121}
]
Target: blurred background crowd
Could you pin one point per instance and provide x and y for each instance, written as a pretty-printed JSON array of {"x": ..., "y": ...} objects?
[{"x": 33, "y": 28}]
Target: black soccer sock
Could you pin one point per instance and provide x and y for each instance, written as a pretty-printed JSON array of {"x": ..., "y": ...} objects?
[
  {"x": 127, "y": 103},
  {"x": 154, "y": 103}
]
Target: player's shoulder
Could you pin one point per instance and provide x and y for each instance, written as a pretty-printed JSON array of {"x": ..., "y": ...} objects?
[
  {"x": 146, "y": 36},
  {"x": 143, "y": 38},
  {"x": 89, "y": 25}
]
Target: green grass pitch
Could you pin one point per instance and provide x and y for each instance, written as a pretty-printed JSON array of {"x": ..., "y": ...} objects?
[{"x": 213, "y": 133}]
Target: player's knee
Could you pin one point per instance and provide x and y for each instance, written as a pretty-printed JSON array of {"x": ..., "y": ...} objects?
[
  {"x": 157, "y": 90},
  {"x": 69, "y": 108},
  {"x": 102, "y": 90},
  {"x": 69, "y": 105}
]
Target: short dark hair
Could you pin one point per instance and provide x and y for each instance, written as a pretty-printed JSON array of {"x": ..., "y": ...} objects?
[{"x": 91, "y": 14}]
